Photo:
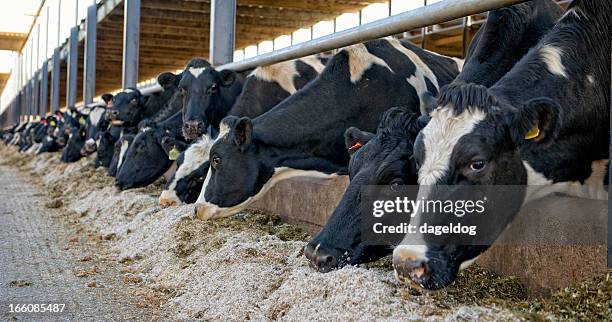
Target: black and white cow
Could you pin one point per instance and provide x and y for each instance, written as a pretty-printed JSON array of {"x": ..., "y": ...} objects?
[
  {"x": 544, "y": 126},
  {"x": 146, "y": 159},
  {"x": 79, "y": 134},
  {"x": 303, "y": 135},
  {"x": 208, "y": 95},
  {"x": 106, "y": 145},
  {"x": 264, "y": 88},
  {"x": 120, "y": 149},
  {"x": 385, "y": 158}
]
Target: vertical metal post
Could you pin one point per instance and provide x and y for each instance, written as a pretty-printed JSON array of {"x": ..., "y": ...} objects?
[
  {"x": 55, "y": 62},
  {"x": 222, "y": 31},
  {"x": 44, "y": 87},
  {"x": 131, "y": 42},
  {"x": 73, "y": 60},
  {"x": 423, "y": 30},
  {"x": 35, "y": 91},
  {"x": 89, "y": 72},
  {"x": 55, "y": 80}
]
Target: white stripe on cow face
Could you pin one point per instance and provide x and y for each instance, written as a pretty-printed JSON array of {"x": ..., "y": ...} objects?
[
  {"x": 196, "y": 71},
  {"x": 440, "y": 137},
  {"x": 206, "y": 210},
  {"x": 281, "y": 73},
  {"x": 422, "y": 71},
  {"x": 96, "y": 114},
  {"x": 360, "y": 60},
  {"x": 124, "y": 147},
  {"x": 551, "y": 56}
]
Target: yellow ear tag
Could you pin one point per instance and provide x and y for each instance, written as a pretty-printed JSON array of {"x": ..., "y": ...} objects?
[
  {"x": 173, "y": 154},
  {"x": 52, "y": 123},
  {"x": 82, "y": 121},
  {"x": 533, "y": 133}
]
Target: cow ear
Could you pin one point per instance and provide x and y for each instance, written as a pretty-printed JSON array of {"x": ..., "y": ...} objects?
[
  {"x": 166, "y": 80},
  {"x": 538, "y": 121},
  {"x": 354, "y": 139},
  {"x": 107, "y": 97},
  {"x": 228, "y": 77},
  {"x": 241, "y": 130}
]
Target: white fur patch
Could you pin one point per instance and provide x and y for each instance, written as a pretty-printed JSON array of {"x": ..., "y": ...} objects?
[
  {"x": 124, "y": 147},
  {"x": 551, "y": 56},
  {"x": 422, "y": 71},
  {"x": 591, "y": 79},
  {"x": 196, "y": 71},
  {"x": 440, "y": 137},
  {"x": 282, "y": 73},
  {"x": 206, "y": 210},
  {"x": 593, "y": 188},
  {"x": 314, "y": 62},
  {"x": 360, "y": 60}
]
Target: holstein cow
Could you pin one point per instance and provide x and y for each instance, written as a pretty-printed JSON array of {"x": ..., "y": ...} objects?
[
  {"x": 264, "y": 88},
  {"x": 386, "y": 158},
  {"x": 207, "y": 97},
  {"x": 78, "y": 135},
  {"x": 543, "y": 126},
  {"x": 146, "y": 160},
  {"x": 120, "y": 149},
  {"x": 106, "y": 145},
  {"x": 303, "y": 135}
]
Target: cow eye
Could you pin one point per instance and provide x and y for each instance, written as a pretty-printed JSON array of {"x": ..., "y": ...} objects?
[
  {"x": 478, "y": 165},
  {"x": 212, "y": 89},
  {"x": 183, "y": 91},
  {"x": 216, "y": 161}
]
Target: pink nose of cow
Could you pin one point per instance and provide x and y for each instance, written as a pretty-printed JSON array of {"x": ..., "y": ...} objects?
[{"x": 409, "y": 267}]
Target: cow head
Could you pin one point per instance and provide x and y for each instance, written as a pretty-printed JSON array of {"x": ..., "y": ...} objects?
[
  {"x": 145, "y": 160},
  {"x": 76, "y": 140},
  {"x": 238, "y": 170},
  {"x": 207, "y": 95},
  {"x": 127, "y": 108},
  {"x": 472, "y": 140},
  {"x": 186, "y": 183},
  {"x": 381, "y": 159},
  {"x": 120, "y": 149},
  {"x": 106, "y": 143}
]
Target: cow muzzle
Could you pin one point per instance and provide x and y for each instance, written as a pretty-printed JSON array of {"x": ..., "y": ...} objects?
[
  {"x": 192, "y": 129},
  {"x": 320, "y": 258},
  {"x": 168, "y": 198},
  {"x": 411, "y": 266}
]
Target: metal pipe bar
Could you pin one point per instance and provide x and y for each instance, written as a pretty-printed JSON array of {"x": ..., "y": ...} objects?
[
  {"x": 424, "y": 30},
  {"x": 89, "y": 72},
  {"x": 55, "y": 80},
  {"x": 417, "y": 18},
  {"x": 44, "y": 89},
  {"x": 222, "y": 31},
  {"x": 73, "y": 60},
  {"x": 131, "y": 43}
]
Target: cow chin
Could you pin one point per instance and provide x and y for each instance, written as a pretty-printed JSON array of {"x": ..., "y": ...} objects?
[{"x": 206, "y": 210}]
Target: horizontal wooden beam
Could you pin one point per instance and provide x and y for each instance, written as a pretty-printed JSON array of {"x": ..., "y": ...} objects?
[{"x": 12, "y": 41}]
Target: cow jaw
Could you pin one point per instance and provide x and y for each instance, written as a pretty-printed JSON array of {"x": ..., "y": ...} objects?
[{"x": 205, "y": 210}]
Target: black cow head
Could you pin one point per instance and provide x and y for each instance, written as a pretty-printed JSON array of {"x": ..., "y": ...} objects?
[
  {"x": 119, "y": 150},
  {"x": 186, "y": 183},
  {"x": 207, "y": 96},
  {"x": 381, "y": 159},
  {"x": 127, "y": 108},
  {"x": 238, "y": 169},
  {"x": 76, "y": 140},
  {"x": 145, "y": 160},
  {"x": 106, "y": 144},
  {"x": 472, "y": 140}
]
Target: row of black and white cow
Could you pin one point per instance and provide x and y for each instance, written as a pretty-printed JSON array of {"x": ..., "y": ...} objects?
[{"x": 529, "y": 107}]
